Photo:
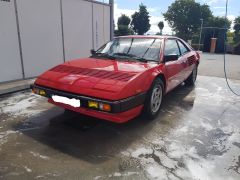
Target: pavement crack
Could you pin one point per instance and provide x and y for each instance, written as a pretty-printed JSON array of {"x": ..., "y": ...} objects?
[
  {"x": 236, "y": 167},
  {"x": 159, "y": 162}
]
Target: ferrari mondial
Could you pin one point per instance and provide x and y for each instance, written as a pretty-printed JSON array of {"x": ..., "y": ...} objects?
[{"x": 123, "y": 78}]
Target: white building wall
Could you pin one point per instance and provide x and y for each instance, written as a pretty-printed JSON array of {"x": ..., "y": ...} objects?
[
  {"x": 50, "y": 31},
  {"x": 41, "y": 35},
  {"x": 10, "y": 62},
  {"x": 101, "y": 25},
  {"x": 77, "y": 28}
]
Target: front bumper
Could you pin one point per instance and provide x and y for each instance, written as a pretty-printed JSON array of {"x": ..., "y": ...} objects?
[{"x": 119, "y": 106}]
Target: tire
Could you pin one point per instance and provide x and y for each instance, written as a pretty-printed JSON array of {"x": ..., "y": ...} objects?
[
  {"x": 153, "y": 100},
  {"x": 190, "y": 81}
]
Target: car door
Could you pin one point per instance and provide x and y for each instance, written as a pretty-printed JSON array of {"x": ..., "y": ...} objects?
[
  {"x": 185, "y": 58},
  {"x": 173, "y": 67}
]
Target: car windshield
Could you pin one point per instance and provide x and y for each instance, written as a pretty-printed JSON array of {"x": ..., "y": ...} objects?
[{"x": 140, "y": 49}]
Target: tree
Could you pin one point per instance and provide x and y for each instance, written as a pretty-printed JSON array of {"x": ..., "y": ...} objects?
[
  {"x": 161, "y": 26},
  {"x": 206, "y": 13},
  {"x": 218, "y": 22},
  {"x": 140, "y": 20},
  {"x": 123, "y": 26},
  {"x": 237, "y": 24},
  {"x": 124, "y": 20},
  {"x": 184, "y": 16},
  {"x": 236, "y": 28}
]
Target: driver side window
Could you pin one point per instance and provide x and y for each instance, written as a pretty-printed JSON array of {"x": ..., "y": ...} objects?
[
  {"x": 171, "y": 47},
  {"x": 183, "y": 48}
]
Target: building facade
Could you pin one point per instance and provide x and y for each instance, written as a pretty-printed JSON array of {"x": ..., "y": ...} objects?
[{"x": 36, "y": 35}]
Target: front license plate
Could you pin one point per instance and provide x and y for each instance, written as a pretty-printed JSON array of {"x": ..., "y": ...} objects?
[{"x": 72, "y": 102}]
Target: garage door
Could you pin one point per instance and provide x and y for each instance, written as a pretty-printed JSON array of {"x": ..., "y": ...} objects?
[{"x": 10, "y": 63}]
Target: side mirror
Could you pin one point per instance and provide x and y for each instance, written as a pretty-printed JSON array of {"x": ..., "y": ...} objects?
[
  {"x": 93, "y": 52},
  {"x": 172, "y": 57}
]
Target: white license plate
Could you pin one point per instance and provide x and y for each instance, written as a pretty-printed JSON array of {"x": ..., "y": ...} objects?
[{"x": 72, "y": 102}]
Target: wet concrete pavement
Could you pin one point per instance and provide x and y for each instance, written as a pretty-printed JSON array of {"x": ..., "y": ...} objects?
[{"x": 195, "y": 136}]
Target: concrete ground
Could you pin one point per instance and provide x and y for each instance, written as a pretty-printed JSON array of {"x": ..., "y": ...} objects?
[
  {"x": 212, "y": 65},
  {"x": 195, "y": 136}
]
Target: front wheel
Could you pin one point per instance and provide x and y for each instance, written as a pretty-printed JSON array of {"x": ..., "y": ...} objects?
[
  {"x": 190, "y": 81},
  {"x": 154, "y": 99}
]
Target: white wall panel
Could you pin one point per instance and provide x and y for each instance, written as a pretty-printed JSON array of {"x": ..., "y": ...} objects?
[
  {"x": 41, "y": 35},
  {"x": 100, "y": 20},
  {"x": 10, "y": 63},
  {"x": 86, "y": 25},
  {"x": 107, "y": 28},
  {"x": 77, "y": 25}
]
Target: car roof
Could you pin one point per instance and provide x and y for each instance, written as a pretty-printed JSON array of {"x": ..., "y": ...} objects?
[{"x": 148, "y": 36}]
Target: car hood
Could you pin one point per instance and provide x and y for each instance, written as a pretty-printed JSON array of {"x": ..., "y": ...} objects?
[{"x": 106, "y": 79}]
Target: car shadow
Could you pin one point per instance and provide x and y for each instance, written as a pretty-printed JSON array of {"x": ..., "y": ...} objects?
[{"x": 94, "y": 140}]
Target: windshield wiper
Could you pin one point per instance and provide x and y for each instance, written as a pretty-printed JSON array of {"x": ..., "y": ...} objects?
[
  {"x": 124, "y": 54},
  {"x": 105, "y": 55},
  {"x": 144, "y": 60}
]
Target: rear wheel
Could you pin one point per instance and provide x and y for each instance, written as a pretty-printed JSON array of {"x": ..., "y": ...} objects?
[
  {"x": 190, "y": 81},
  {"x": 154, "y": 99}
]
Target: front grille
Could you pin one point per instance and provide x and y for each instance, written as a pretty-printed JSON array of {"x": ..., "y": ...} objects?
[{"x": 120, "y": 76}]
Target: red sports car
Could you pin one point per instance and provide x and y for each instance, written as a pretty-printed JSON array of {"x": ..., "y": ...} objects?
[{"x": 123, "y": 78}]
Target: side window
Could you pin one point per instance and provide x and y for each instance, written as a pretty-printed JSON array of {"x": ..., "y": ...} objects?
[
  {"x": 183, "y": 48},
  {"x": 171, "y": 47}
]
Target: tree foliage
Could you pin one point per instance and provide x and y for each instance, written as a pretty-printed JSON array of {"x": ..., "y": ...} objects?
[
  {"x": 161, "y": 26},
  {"x": 219, "y": 22},
  {"x": 123, "y": 26},
  {"x": 184, "y": 16},
  {"x": 140, "y": 20},
  {"x": 236, "y": 28},
  {"x": 124, "y": 20},
  {"x": 237, "y": 24}
]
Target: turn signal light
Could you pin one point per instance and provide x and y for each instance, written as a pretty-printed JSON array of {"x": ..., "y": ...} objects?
[
  {"x": 105, "y": 107},
  {"x": 35, "y": 91}
]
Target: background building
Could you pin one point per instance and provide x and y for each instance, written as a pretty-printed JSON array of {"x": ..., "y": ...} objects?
[{"x": 36, "y": 35}]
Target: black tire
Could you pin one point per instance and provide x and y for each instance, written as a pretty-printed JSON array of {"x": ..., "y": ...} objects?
[
  {"x": 190, "y": 81},
  {"x": 149, "y": 111}
]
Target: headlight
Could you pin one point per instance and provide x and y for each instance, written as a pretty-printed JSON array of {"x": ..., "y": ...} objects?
[
  {"x": 92, "y": 104},
  {"x": 39, "y": 91}
]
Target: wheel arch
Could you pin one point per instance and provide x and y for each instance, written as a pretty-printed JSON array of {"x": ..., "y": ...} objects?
[{"x": 163, "y": 78}]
